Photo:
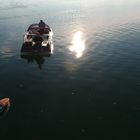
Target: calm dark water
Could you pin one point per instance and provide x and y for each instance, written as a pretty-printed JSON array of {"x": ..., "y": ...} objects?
[{"x": 89, "y": 87}]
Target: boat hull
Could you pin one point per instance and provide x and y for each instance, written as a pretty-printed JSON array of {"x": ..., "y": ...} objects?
[{"x": 37, "y": 49}]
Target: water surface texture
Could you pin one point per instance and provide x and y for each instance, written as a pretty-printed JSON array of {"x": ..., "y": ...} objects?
[{"x": 89, "y": 87}]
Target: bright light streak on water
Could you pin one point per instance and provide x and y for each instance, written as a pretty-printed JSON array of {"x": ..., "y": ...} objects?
[{"x": 78, "y": 44}]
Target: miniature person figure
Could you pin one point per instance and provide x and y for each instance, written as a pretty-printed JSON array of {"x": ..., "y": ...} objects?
[{"x": 41, "y": 26}]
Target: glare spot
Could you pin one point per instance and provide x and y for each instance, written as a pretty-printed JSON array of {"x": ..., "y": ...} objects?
[
  {"x": 52, "y": 48},
  {"x": 78, "y": 44}
]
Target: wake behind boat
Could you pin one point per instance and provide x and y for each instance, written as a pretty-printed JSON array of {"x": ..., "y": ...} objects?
[{"x": 37, "y": 40}]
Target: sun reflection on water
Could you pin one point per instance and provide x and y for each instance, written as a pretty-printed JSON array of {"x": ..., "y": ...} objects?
[{"x": 78, "y": 44}]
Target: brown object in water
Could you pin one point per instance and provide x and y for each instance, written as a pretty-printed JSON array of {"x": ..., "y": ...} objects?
[
  {"x": 4, "y": 106},
  {"x": 4, "y": 102}
]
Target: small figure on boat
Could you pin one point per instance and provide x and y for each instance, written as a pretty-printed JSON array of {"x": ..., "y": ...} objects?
[
  {"x": 41, "y": 26},
  {"x": 4, "y": 105}
]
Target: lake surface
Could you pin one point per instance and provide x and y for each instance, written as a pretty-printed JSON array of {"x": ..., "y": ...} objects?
[{"x": 89, "y": 88}]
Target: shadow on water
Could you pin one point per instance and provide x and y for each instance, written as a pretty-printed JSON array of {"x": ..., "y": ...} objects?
[
  {"x": 36, "y": 53},
  {"x": 39, "y": 59}
]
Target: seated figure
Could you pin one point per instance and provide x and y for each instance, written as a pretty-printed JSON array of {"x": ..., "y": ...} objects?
[{"x": 41, "y": 26}]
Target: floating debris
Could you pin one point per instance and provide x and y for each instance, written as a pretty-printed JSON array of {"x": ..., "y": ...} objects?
[{"x": 4, "y": 106}]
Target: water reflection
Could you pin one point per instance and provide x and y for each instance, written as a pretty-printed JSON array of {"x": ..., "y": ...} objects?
[
  {"x": 39, "y": 58},
  {"x": 78, "y": 44}
]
